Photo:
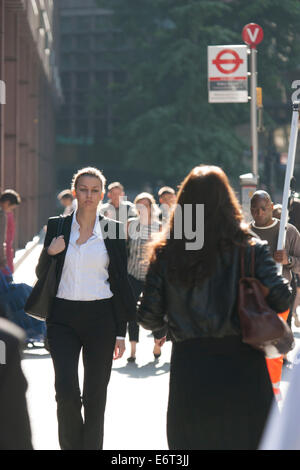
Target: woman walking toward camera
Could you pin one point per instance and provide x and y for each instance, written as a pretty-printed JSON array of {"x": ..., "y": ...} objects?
[
  {"x": 140, "y": 230},
  {"x": 93, "y": 303},
  {"x": 220, "y": 390}
]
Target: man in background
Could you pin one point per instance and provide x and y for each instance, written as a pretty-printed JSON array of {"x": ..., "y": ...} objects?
[
  {"x": 167, "y": 201},
  {"x": 117, "y": 208},
  {"x": 66, "y": 199},
  {"x": 9, "y": 200},
  {"x": 15, "y": 432},
  {"x": 266, "y": 227}
]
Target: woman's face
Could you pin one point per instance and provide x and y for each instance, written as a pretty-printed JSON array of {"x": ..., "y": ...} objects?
[
  {"x": 144, "y": 207},
  {"x": 88, "y": 192}
]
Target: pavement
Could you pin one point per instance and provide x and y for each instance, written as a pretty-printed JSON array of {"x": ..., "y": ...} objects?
[{"x": 135, "y": 417}]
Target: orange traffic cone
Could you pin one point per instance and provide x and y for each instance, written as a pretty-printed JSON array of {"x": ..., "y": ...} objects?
[{"x": 275, "y": 366}]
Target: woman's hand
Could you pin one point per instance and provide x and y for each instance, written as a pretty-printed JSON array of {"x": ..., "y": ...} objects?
[
  {"x": 56, "y": 246},
  {"x": 119, "y": 349},
  {"x": 160, "y": 342}
]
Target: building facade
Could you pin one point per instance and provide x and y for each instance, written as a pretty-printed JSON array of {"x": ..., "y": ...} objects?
[
  {"x": 90, "y": 68},
  {"x": 29, "y": 72}
]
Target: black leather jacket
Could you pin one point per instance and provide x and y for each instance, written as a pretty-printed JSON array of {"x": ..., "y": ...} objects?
[{"x": 208, "y": 310}]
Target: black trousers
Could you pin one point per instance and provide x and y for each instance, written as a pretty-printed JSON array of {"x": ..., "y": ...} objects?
[
  {"x": 133, "y": 327},
  {"x": 88, "y": 326}
]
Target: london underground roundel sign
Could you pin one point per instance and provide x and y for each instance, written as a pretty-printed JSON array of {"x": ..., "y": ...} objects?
[{"x": 252, "y": 34}]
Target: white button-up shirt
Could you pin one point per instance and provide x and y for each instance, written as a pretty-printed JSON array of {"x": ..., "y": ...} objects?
[{"x": 85, "y": 272}]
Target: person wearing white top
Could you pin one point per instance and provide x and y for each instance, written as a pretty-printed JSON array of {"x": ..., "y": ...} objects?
[{"x": 89, "y": 313}]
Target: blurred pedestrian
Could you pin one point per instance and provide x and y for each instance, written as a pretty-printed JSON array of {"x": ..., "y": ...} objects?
[
  {"x": 167, "y": 200},
  {"x": 117, "y": 208},
  {"x": 277, "y": 209},
  {"x": 9, "y": 200},
  {"x": 294, "y": 219},
  {"x": 266, "y": 228},
  {"x": 220, "y": 390},
  {"x": 66, "y": 199},
  {"x": 140, "y": 231},
  {"x": 15, "y": 432},
  {"x": 93, "y": 303}
]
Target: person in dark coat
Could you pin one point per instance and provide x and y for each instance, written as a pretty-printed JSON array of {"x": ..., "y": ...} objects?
[
  {"x": 220, "y": 390},
  {"x": 93, "y": 303},
  {"x": 15, "y": 431}
]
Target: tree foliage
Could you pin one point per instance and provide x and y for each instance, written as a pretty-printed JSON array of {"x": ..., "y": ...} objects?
[{"x": 164, "y": 121}]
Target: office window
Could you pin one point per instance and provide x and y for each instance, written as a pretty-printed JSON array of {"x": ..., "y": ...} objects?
[
  {"x": 67, "y": 24},
  {"x": 102, "y": 22},
  {"x": 67, "y": 61},
  {"x": 81, "y": 128},
  {"x": 84, "y": 23},
  {"x": 82, "y": 80},
  {"x": 63, "y": 127},
  {"x": 82, "y": 60},
  {"x": 66, "y": 42},
  {"x": 101, "y": 41},
  {"x": 82, "y": 42},
  {"x": 66, "y": 78}
]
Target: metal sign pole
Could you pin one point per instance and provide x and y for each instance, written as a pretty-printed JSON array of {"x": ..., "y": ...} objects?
[
  {"x": 253, "y": 111},
  {"x": 288, "y": 177}
]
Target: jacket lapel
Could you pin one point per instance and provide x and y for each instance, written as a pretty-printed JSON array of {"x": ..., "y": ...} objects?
[
  {"x": 109, "y": 244},
  {"x": 66, "y": 231}
]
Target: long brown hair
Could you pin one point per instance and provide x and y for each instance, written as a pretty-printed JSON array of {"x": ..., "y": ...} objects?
[{"x": 223, "y": 226}]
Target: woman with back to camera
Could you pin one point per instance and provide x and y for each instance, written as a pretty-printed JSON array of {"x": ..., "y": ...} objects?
[
  {"x": 220, "y": 391},
  {"x": 93, "y": 303}
]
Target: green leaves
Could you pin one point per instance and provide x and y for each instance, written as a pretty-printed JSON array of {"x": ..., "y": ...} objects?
[{"x": 165, "y": 123}]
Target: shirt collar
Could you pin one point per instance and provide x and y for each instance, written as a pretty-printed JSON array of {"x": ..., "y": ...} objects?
[
  {"x": 97, "y": 227},
  {"x": 275, "y": 222}
]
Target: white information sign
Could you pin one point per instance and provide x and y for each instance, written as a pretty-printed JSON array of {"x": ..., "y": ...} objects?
[{"x": 227, "y": 74}]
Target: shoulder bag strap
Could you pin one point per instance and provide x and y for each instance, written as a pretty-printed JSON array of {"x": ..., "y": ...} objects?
[
  {"x": 60, "y": 226},
  {"x": 253, "y": 261},
  {"x": 242, "y": 255}
]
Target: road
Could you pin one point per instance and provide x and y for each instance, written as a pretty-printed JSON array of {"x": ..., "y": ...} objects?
[{"x": 135, "y": 416}]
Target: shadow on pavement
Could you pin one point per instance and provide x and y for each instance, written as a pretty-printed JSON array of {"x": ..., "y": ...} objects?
[
  {"x": 148, "y": 370},
  {"x": 35, "y": 353}
]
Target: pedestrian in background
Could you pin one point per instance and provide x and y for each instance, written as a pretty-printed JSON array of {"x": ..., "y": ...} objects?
[
  {"x": 220, "y": 390},
  {"x": 266, "y": 228},
  {"x": 277, "y": 209},
  {"x": 66, "y": 199},
  {"x": 15, "y": 431},
  {"x": 117, "y": 208},
  {"x": 139, "y": 232},
  {"x": 93, "y": 303},
  {"x": 167, "y": 200},
  {"x": 294, "y": 219},
  {"x": 9, "y": 201}
]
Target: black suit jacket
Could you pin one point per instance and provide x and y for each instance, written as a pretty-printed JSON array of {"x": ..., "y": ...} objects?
[
  {"x": 15, "y": 432},
  {"x": 123, "y": 299}
]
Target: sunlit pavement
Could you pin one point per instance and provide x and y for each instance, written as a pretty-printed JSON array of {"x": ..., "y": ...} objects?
[{"x": 135, "y": 416}]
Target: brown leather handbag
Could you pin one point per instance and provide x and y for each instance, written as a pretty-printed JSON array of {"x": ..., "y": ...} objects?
[{"x": 261, "y": 327}]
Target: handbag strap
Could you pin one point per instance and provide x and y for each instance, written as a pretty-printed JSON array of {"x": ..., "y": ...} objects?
[
  {"x": 60, "y": 226},
  {"x": 242, "y": 251}
]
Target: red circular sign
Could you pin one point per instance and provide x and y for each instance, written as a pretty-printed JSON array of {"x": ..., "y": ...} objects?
[
  {"x": 252, "y": 34},
  {"x": 235, "y": 60}
]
